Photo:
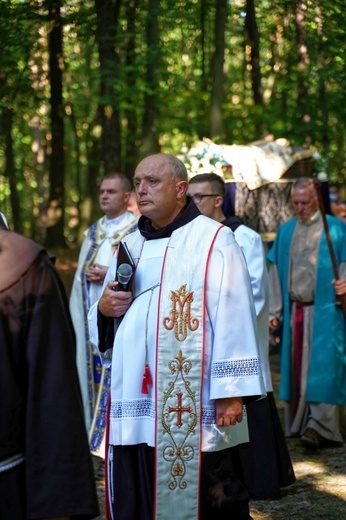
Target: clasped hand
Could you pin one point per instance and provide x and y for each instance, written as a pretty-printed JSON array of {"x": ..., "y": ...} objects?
[
  {"x": 229, "y": 411},
  {"x": 114, "y": 304},
  {"x": 96, "y": 273}
]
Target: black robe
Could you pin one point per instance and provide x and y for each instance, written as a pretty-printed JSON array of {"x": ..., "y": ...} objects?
[
  {"x": 265, "y": 460},
  {"x": 41, "y": 414}
]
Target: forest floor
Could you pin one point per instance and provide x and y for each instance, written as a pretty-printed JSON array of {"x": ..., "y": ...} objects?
[{"x": 319, "y": 492}]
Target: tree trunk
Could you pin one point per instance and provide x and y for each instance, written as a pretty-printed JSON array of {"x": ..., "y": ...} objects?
[
  {"x": 216, "y": 126},
  {"x": 253, "y": 37},
  {"x": 322, "y": 84},
  {"x": 107, "y": 12},
  {"x": 150, "y": 143},
  {"x": 203, "y": 16},
  {"x": 133, "y": 135},
  {"x": 93, "y": 180},
  {"x": 56, "y": 207},
  {"x": 303, "y": 69},
  {"x": 10, "y": 170}
]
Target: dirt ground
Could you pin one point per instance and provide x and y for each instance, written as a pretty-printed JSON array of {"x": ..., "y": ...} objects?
[
  {"x": 319, "y": 492},
  {"x": 320, "y": 489}
]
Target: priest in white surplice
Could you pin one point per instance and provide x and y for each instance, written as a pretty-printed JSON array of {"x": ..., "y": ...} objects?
[
  {"x": 99, "y": 245},
  {"x": 184, "y": 359}
]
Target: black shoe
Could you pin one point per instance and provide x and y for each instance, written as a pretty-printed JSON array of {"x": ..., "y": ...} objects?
[
  {"x": 327, "y": 443},
  {"x": 311, "y": 439}
]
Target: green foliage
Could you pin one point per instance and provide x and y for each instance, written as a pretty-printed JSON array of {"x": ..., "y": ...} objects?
[{"x": 182, "y": 85}]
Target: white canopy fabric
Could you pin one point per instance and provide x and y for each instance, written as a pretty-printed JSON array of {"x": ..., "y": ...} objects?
[{"x": 256, "y": 164}]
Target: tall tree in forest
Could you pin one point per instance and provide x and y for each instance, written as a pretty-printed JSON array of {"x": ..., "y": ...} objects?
[
  {"x": 56, "y": 207},
  {"x": 132, "y": 133},
  {"x": 251, "y": 29},
  {"x": 82, "y": 86},
  {"x": 150, "y": 143},
  {"x": 321, "y": 67},
  {"x": 202, "y": 43},
  {"x": 107, "y": 12},
  {"x": 303, "y": 69},
  {"x": 10, "y": 169},
  {"x": 253, "y": 56},
  {"x": 16, "y": 44},
  {"x": 217, "y": 76}
]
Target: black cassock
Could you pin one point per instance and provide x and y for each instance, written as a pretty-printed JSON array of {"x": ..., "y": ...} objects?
[{"x": 41, "y": 416}]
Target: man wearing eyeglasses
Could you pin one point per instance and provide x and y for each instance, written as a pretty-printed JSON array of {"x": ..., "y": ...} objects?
[{"x": 265, "y": 460}]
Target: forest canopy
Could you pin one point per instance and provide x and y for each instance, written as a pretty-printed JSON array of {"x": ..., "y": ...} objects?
[{"x": 89, "y": 87}]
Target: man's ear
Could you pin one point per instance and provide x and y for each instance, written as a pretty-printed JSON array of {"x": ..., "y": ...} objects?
[
  {"x": 181, "y": 187},
  {"x": 218, "y": 201}
]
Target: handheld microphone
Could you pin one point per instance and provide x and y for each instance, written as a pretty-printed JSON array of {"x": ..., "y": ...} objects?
[{"x": 124, "y": 273}]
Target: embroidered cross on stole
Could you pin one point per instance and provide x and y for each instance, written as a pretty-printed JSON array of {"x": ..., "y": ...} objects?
[{"x": 179, "y": 372}]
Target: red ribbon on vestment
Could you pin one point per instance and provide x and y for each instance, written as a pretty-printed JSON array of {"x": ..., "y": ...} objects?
[
  {"x": 147, "y": 379},
  {"x": 298, "y": 334}
]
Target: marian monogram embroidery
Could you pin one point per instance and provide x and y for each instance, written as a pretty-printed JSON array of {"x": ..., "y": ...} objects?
[
  {"x": 179, "y": 420},
  {"x": 180, "y": 318}
]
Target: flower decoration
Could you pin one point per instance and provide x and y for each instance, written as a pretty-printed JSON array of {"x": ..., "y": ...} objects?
[{"x": 204, "y": 157}]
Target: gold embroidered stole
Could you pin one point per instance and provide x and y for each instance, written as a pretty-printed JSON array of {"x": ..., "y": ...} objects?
[
  {"x": 98, "y": 398},
  {"x": 179, "y": 370},
  {"x": 100, "y": 237}
]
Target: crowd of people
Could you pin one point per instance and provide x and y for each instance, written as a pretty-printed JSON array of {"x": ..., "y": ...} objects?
[{"x": 167, "y": 376}]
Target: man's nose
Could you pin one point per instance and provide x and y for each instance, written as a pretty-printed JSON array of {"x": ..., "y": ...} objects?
[{"x": 141, "y": 187}]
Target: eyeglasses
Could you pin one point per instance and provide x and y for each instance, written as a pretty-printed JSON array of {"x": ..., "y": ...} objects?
[{"x": 199, "y": 196}]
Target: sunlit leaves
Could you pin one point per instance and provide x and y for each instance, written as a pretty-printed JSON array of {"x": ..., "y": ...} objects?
[{"x": 182, "y": 82}]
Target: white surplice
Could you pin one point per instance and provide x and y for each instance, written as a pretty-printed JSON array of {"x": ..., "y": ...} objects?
[
  {"x": 231, "y": 357},
  {"x": 99, "y": 244}
]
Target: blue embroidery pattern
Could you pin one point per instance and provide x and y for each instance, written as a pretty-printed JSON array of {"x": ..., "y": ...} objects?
[
  {"x": 238, "y": 368},
  {"x": 135, "y": 409},
  {"x": 144, "y": 408},
  {"x": 208, "y": 415}
]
